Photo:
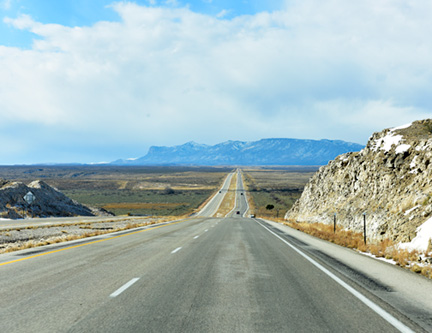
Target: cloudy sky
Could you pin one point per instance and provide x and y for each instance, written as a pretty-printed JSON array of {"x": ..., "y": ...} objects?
[{"x": 91, "y": 81}]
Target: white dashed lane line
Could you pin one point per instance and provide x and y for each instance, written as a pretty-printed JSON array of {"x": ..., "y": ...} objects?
[
  {"x": 176, "y": 250},
  {"x": 179, "y": 248},
  {"x": 124, "y": 287}
]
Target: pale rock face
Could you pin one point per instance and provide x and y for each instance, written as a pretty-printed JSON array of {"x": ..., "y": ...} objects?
[
  {"x": 390, "y": 180},
  {"x": 49, "y": 202}
]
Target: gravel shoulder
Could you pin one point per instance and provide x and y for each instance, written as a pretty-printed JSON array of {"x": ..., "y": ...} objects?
[
  {"x": 40, "y": 232},
  {"x": 404, "y": 290}
]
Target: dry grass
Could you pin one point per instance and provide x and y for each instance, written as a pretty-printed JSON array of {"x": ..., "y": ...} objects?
[
  {"x": 66, "y": 238},
  {"x": 277, "y": 187},
  {"x": 228, "y": 202},
  {"x": 144, "y": 205},
  {"x": 16, "y": 246},
  {"x": 382, "y": 249}
]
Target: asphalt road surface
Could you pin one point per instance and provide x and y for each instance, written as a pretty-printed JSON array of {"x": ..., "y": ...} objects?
[
  {"x": 199, "y": 275},
  {"x": 213, "y": 205},
  {"x": 241, "y": 206},
  {"x": 203, "y": 274}
]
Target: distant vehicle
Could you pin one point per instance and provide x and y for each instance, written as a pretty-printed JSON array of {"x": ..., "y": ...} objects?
[
  {"x": 252, "y": 216},
  {"x": 238, "y": 212},
  {"x": 241, "y": 193},
  {"x": 220, "y": 191}
]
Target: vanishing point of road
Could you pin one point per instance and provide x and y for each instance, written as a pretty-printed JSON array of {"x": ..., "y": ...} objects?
[{"x": 202, "y": 274}]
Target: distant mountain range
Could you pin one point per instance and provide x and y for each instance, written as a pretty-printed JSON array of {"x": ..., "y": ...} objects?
[{"x": 262, "y": 152}]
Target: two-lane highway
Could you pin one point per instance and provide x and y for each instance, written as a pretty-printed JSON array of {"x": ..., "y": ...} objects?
[
  {"x": 241, "y": 205},
  {"x": 213, "y": 205},
  {"x": 200, "y": 275}
]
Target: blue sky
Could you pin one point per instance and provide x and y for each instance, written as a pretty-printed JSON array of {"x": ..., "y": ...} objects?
[
  {"x": 90, "y": 81},
  {"x": 88, "y": 12}
]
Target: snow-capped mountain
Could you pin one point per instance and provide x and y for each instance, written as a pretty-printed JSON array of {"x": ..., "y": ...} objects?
[{"x": 262, "y": 152}]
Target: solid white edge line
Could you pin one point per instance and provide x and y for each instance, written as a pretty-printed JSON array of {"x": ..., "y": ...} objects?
[
  {"x": 196, "y": 237},
  {"x": 380, "y": 311},
  {"x": 176, "y": 250},
  {"x": 124, "y": 287}
]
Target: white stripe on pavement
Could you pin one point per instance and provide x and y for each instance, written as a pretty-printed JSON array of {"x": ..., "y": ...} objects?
[
  {"x": 380, "y": 311},
  {"x": 176, "y": 250},
  {"x": 124, "y": 287}
]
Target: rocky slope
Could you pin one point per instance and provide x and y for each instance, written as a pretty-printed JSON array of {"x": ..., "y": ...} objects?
[
  {"x": 262, "y": 152},
  {"x": 48, "y": 202},
  {"x": 390, "y": 180}
]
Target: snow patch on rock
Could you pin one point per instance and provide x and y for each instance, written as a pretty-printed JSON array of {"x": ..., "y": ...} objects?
[
  {"x": 422, "y": 239},
  {"x": 412, "y": 209},
  {"x": 390, "y": 180},
  {"x": 401, "y": 127},
  {"x": 387, "y": 142},
  {"x": 402, "y": 149}
]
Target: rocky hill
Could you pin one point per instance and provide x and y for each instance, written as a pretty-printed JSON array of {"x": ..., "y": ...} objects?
[
  {"x": 262, "y": 152},
  {"x": 390, "y": 180},
  {"x": 48, "y": 202}
]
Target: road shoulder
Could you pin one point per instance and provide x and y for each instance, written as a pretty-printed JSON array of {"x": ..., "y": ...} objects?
[{"x": 394, "y": 285}]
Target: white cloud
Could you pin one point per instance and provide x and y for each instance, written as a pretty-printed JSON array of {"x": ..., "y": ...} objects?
[
  {"x": 6, "y": 4},
  {"x": 22, "y": 22},
  {"x": 333, "y": 69},
  {"x": 222, "y": 13}
]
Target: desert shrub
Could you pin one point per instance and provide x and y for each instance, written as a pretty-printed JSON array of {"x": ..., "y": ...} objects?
[
  {"x": 168, "y": 190},
  {"x": 381, "y": 249}
]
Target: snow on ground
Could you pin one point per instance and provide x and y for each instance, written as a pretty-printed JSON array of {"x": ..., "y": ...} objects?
[
  {"x": 410, "y": 210},
  {"x": 421, "y": 240},
  {"x": 413, "y": 170},
  {"x": 413, "y": 162},
  {"x": 400, "y": 127},
  {"x": 387, "y": 142},
  {"x": 390, "y": 261},
  {"x": 402, "y": 148},
  {"x": 425, "y": 146},
  {"x": 391, "y": 139}
]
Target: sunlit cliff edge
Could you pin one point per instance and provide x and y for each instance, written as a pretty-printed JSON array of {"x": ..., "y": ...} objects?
[{"x": 390, "y": 181}]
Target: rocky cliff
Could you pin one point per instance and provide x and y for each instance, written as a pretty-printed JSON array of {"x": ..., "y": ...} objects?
[
  {"x": 48, "y": 202},
  {"x": 390, "y": 180}
]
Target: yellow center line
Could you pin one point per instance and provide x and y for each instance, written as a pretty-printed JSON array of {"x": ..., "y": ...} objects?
[{"x": 89, "y": 243}]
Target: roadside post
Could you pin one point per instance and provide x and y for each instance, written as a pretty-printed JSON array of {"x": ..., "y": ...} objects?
[
  {"x": 334, "y": 223},
  {"x": 364, "y": 227}
]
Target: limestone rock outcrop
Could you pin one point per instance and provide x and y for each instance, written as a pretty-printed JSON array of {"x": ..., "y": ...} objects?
[
  {"x": 390, "y": 180},
  {"x": 48, "y": 202}
]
